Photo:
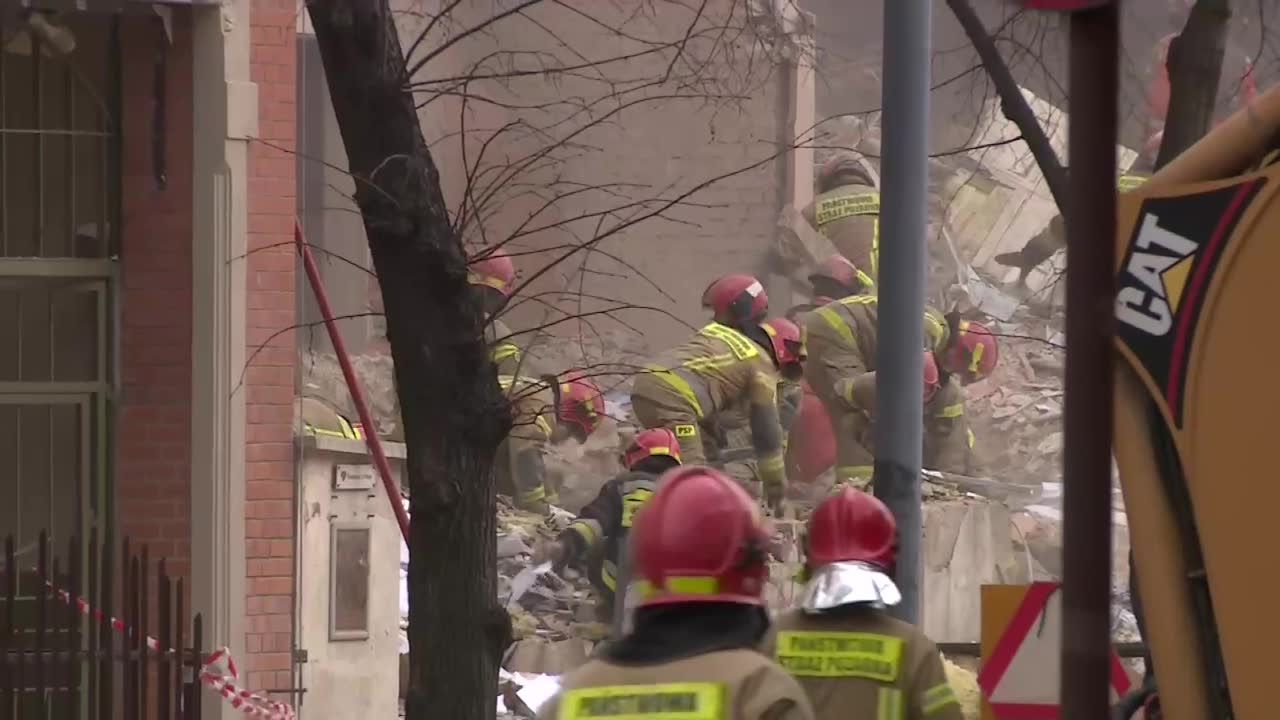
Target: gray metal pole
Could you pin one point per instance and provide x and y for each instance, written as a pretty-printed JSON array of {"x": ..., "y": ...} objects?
[{"x": 904, "y": 169}]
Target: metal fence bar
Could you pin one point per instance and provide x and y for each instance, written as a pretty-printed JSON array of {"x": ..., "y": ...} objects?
[
  {"x": 75, "y": 677},
  {"x": 129, "y": 598},
  {"x": 94, "y": 670},
  {"x": 164, "y": 675},
  {"x": 7, "y": 673},
  {"x": 179, "y": 670},
  {"x": 42, "y": 622}
]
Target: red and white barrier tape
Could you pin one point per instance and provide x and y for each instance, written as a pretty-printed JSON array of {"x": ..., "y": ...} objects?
[{"x": 218, "y": 670}]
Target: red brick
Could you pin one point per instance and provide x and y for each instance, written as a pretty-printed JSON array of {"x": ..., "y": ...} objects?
[{"x": 269, "y": 380}]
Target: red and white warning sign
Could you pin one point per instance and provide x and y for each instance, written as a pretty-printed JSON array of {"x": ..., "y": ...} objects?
[{"x": 1020, "y": 674}]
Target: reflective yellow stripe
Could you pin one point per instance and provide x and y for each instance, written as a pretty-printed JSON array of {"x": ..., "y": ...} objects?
[
  {"x": 664, "y": 701},
  {"x": 843, "y": 206},
  {"x": 587, "y": 530},
  {"x": 935, "y": 328},
  {"x": 493, "y": 282},
  {"x": 854, "y": 472},
  {"x": 543, "y": 426},
  {"x": 504, "y": 351},
  {"x": 972, "y": 440},
  {"x": 687, "y": 585},
  {"x": 938, "y": 697},
  {"x": 840, "y": 654},
  {"x": 838, "y": 324},
  {"x": 681, "y": 386},
  {"x": 952, "y": 411},
  {"x": 875, "y": 248},
  {"x": 631, "y": 504},
  {"x": 530, "y": 496},
  {"x": 889, "y": 704},
  {"x": 609, "y": 574},
  {"x": 1130, "y": 182},
  {"x": 741, "y": 345},
  {"x": 772, "y": 463}
]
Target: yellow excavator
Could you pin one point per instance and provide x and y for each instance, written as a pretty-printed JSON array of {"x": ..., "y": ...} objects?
[{"x": 1197, "y": 406}]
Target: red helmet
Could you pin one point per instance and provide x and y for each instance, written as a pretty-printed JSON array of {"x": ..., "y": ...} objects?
[
  {"x": 787, "y": 339},
  {"x": 852, "y": 526},
  {"x": 973, "y": 353},
  {"x": 932, "y": 379},
  {"x": 701, "y": 538},
  {"x": 493, "y": 268},
  {"x": 841, "y": 270},
  {"x": 736, "y": 299},
  {"x": 581, "y": 404},
  {"x": 654, "y": 441}
]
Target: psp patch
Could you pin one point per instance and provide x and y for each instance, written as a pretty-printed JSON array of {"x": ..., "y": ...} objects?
[{"x": 1172, "y": 255}]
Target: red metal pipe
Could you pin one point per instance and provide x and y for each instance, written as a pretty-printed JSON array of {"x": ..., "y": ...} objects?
[{"x": 353, "y": 384}]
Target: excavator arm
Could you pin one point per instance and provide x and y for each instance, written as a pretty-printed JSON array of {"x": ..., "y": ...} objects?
[{"x": 1198, "y": 256}]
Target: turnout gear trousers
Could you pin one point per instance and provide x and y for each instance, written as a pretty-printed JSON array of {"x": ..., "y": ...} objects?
[
  {"x": 520, "y": 468},
  {"x": 720, "y": 685},
  {"x": 841, "y": 340},
  {"x": 849, "y": 216},
  {"x": 718, "y": 371},
  {"x": 858, "y": 662}
]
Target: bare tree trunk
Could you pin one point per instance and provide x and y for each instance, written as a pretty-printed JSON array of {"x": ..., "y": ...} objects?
[
  {"x": 453, "y": 410},
  {"x": 1012, "y": 102},
  {"x": 1195, "y": 67}
]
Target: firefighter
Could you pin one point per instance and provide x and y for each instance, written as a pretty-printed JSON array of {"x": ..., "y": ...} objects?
[
  {"x": 700, "y": 551},
  {"x": 852, "y": 658},
  {"x": 948, "y": 439},
  {"x": 1054, "y": 236},
  {"x": 722, "y": 369},
  {"x": 595, "y": 535},
  {"x": 842, "y": 340},
  {"x": 494, "y": 274},
  {"x": 737, "y": 301},
  {"x": 847, "y": 211},
  {"x": 811, "y": 443},
  {"x": 320, "y": 418},
  {"x": 545, "y": 411}
]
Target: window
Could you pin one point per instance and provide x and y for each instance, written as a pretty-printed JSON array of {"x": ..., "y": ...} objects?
[{"x": 349, "y": 582}]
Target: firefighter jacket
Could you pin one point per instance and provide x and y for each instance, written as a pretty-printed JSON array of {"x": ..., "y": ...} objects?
[
  {"x": 320, "y": 418},
  {"x": 737, "y": 684},
  {"x": 717, "y": 371},
  {"x": 858, "y": 662},
  {"x": 505, "y": 353},
  {"x": 598, "y": 530},
  {"x": 841, "y": 342},
  {"x": 849, "y": 216},
  {"x": 533, "y": 417}
]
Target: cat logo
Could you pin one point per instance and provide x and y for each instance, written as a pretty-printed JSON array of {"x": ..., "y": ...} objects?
[{"x": 1153, "y": 279}]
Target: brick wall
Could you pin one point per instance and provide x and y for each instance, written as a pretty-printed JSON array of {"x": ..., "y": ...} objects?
[
  {"x": 269, "y": 381},
  {"x": 154, "y": 431}
]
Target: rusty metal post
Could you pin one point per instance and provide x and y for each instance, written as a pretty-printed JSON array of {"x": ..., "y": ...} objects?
[
  {"x": 1087, "y": 417},
  {"x": 353, "y": 384}
]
